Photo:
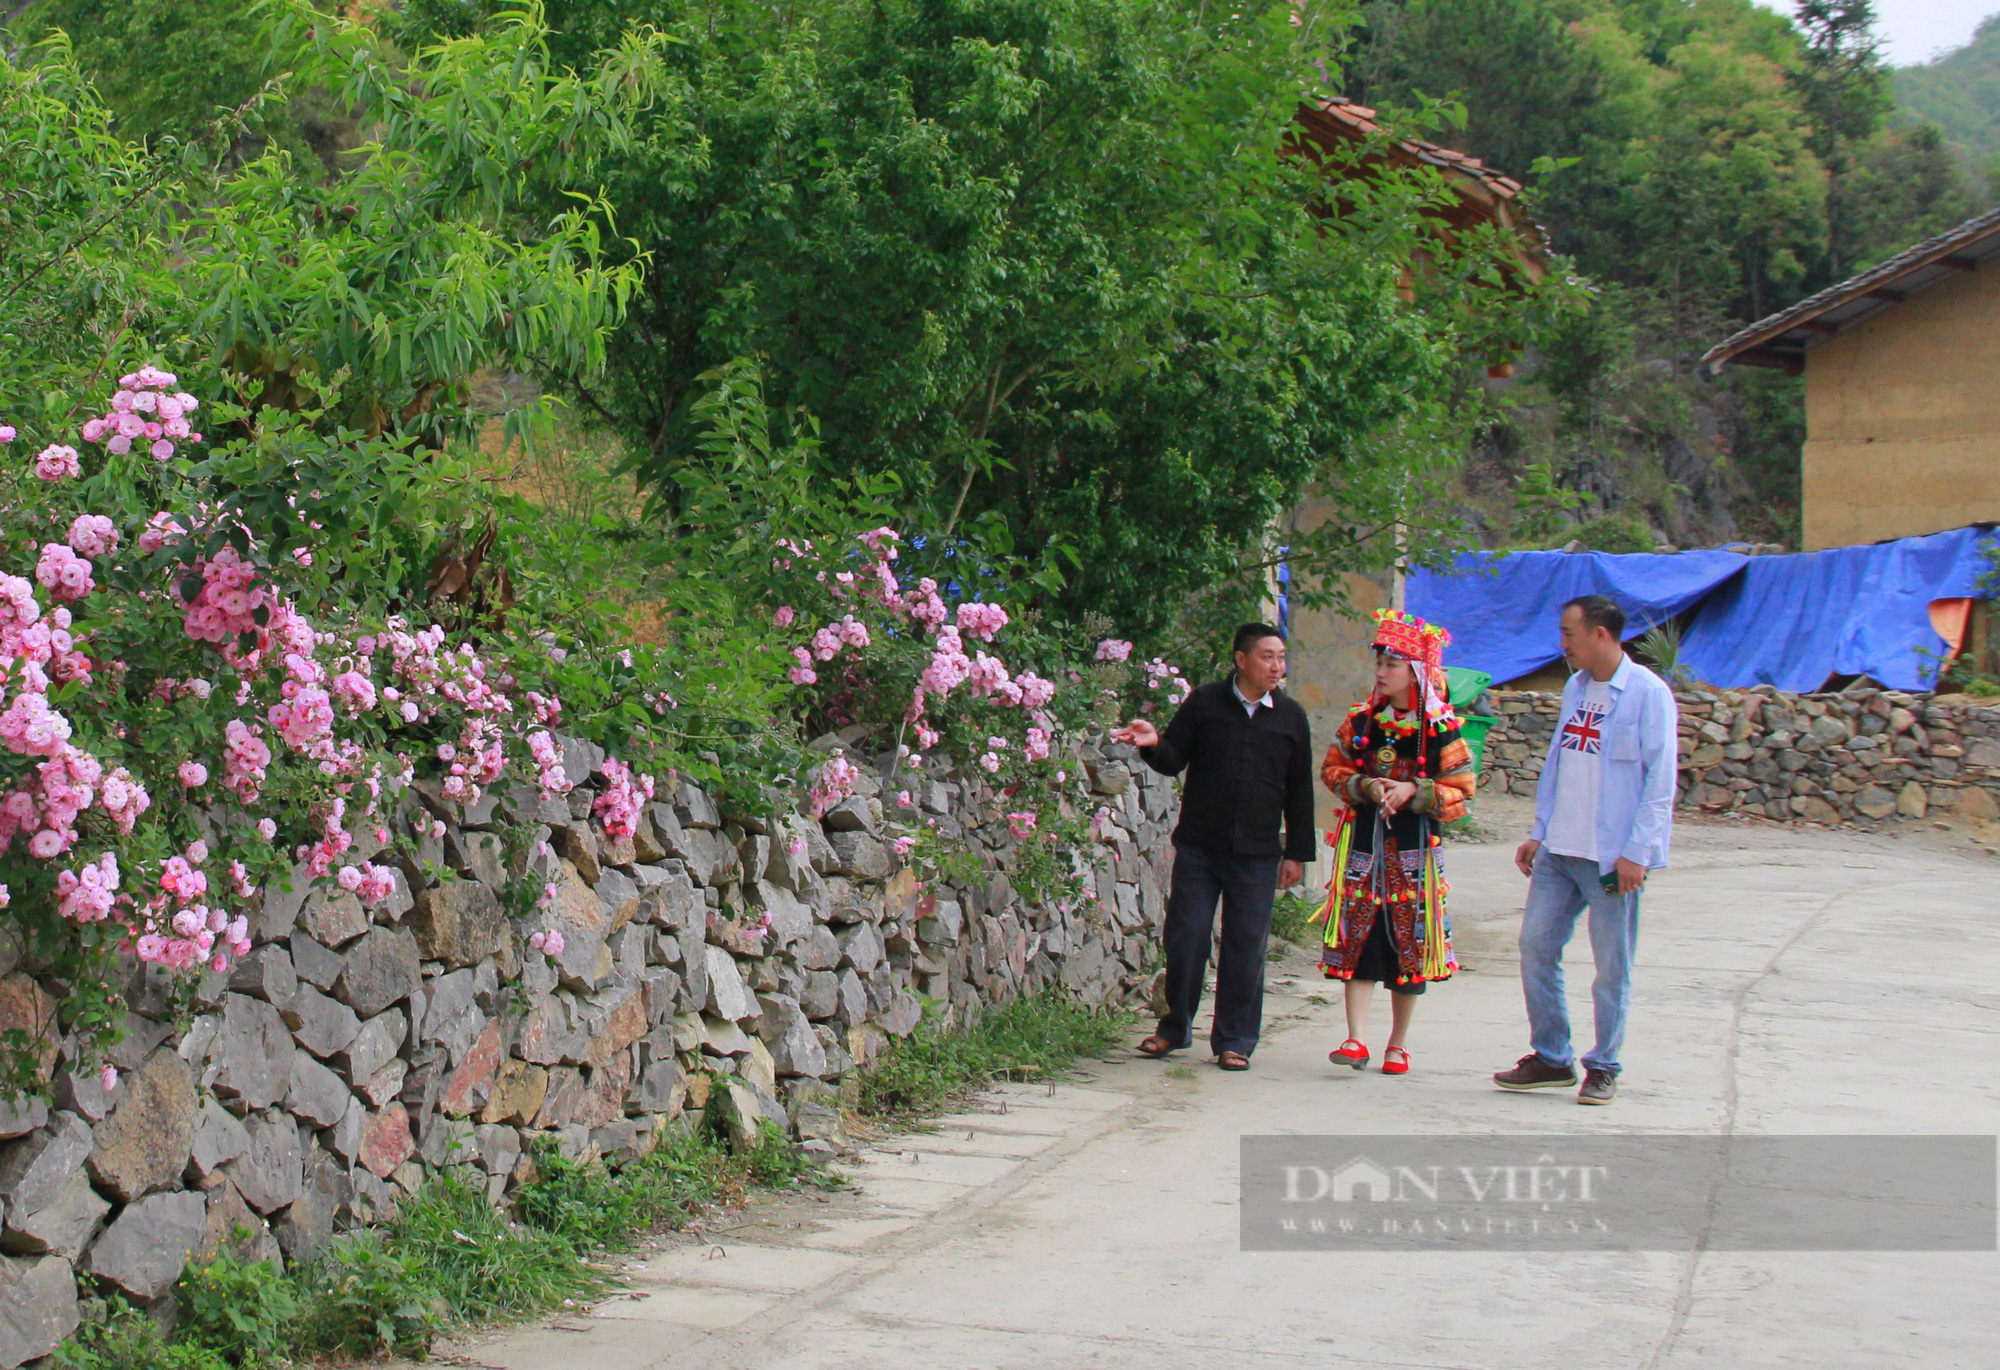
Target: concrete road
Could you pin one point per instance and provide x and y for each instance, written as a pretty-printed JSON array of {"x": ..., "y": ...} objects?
[{"x": 1789, "y": 981}]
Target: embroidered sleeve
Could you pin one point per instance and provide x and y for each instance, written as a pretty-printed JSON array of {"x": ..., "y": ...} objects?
[
  {"x": 1341, "y": 771},
  {"x": 1446, "y": 797}
]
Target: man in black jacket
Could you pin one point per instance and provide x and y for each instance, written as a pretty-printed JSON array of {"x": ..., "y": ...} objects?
[{"x": 1247, "y": 751}]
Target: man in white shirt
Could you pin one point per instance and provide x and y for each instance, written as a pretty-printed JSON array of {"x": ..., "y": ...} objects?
[{"x": 1603, "y": 818}]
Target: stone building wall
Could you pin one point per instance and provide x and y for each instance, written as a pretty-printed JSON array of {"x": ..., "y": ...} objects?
[
  {"x": 354, "y": 1050},
  {"x": 1858, "y": 756}
]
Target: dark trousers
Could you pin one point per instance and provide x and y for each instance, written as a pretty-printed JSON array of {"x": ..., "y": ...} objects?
[{"x": 1246, "y": 885}]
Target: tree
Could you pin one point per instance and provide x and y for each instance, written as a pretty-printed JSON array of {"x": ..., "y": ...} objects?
[
  {"x": 1845, "y": 89},
  {"x": 387, "y": 285},
  {"x": 164, "y": 68},
  {"x": 1040, "y": 260}
]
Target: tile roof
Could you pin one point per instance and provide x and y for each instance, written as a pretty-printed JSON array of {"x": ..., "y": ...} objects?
[
  {"x": 1484, "y": 193},
  {"x": 1783, "y": 339}
]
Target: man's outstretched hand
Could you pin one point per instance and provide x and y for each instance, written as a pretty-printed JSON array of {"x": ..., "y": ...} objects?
[{"x": 1137, "y": 733}]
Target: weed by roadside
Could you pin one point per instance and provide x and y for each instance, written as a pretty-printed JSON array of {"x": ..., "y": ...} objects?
[
  {"x": 1027, "y": 1039},
  {"x": 1288, "y": 918}
]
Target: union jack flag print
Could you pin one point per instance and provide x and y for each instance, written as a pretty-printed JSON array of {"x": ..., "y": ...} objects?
[{"x": 1585, "y": 730}]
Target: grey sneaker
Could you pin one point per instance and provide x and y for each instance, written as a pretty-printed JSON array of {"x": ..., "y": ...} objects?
[
  {"x": 1532, "y": 1072},
  {"x": 1599, "y": 1087}
]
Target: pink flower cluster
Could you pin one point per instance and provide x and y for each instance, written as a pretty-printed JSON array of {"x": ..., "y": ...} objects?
[
  {"x": 369, "y": 883},
  {"x": 57, "y": 462},
  {"x": 229, "y": 601},
  {"x": 177, "y": 929},
  {"x": 142, "y": 411},
  {"x": 1038, "y": 743},
  {"x": 548, "y": 763},
  {"x": 925, "y": 606},
  {"x": 66, "y": 785},
  {"x": 124, "y": 798},
  {"x": 618, "y": 808},
  {"x": 44, "y": 648},
  {"x": 245, "y": 759},
  {"x": 335, "y": 839},
  {"x": 355, "y": 691},
  {"x": 86, "y": 895},
  {"x": 30, "y": 727},
  {"x": 548, "y": 943},
  {"x": 161, "y": 529},
  {"x": 93, "y": 535},
  {"x": 304, "y": 717},
  {"x": 1112, "y": 649},
  {"x": 1022, "y": 825},
  {"x": 833, "y": 783},
  {"x": 981, "y": 620},
  {"x": 949, "y": 666},
  {"x": 1159, "y": 673},
  {"x": 64, "y": 574}
]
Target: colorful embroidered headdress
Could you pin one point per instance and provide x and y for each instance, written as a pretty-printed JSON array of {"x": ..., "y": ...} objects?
[
  {"x": 1411, "y": 638},
  {"x": 1422, "y": 645}
]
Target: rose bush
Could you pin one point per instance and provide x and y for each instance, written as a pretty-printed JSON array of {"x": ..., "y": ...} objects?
[
  {"x": 898, "y": 660},
  {"x": 179, "y": 727},
  {"x": 213, "y": 677}
]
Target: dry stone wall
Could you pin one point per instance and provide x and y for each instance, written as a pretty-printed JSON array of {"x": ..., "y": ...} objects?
[
  {"x": 1858, "y": 756},
  {"x": 354, "y": 1050}
]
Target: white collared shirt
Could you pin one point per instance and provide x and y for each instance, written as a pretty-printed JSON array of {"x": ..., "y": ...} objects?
[{"x": 1250, "y": 706}]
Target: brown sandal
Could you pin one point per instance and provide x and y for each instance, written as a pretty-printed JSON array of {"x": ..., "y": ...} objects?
[
  {"x": 1155, "y": 1047},
  {"x": 1232, "y": 1060}
]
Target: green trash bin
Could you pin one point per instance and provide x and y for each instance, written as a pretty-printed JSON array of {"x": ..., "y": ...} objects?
[
  {"x": 1463, "y": 686},
  {"x": 1472, "y": 727}
]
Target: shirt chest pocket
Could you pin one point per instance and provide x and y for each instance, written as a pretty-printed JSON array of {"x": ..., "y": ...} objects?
[
  {"x": 1621, "y": 740},
  {"x": 1268, "y": 752}
]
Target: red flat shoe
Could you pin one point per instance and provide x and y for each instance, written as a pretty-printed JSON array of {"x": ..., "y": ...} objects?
[
  {"x": 1349, "y": 1053},
  {"x": 1393, "y": 1066}
]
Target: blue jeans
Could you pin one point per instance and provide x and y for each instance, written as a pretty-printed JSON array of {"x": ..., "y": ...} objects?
[
  {"x": 1561, "y": 888},
  {"x": 1247, "y": 886}
]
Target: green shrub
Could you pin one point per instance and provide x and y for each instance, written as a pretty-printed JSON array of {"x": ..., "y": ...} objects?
[
  {"x": 244, "y": 1311},
  {"x": 485, "y": 1269},
  {"x": 1028, "y": 1038},
  {"x": 776, "y": 1162},
  {"x": 129, "y": 1340},
  {"x": 1613, "y": 533},
  {"x": 368, "y": 1301},
  {"x": 610, "y": 1205}
]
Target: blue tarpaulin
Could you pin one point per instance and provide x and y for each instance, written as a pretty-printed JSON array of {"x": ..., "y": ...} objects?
[
  {"x": 1501, "y": 608},
  {"x": 1792, "y": 621}
]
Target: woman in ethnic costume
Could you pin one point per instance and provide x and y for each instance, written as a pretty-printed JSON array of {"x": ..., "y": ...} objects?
[{"x": 1403, "y": 772}]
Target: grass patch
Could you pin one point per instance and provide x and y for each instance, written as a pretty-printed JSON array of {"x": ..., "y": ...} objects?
[
  {"x": 1289, "y": 913},
  {"x": 599, "y": 1206},
  {"x": 1027, "y": 1039},
  {"x": 481, "y": 1267},
  {"x": 447, "y": 1258}
]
